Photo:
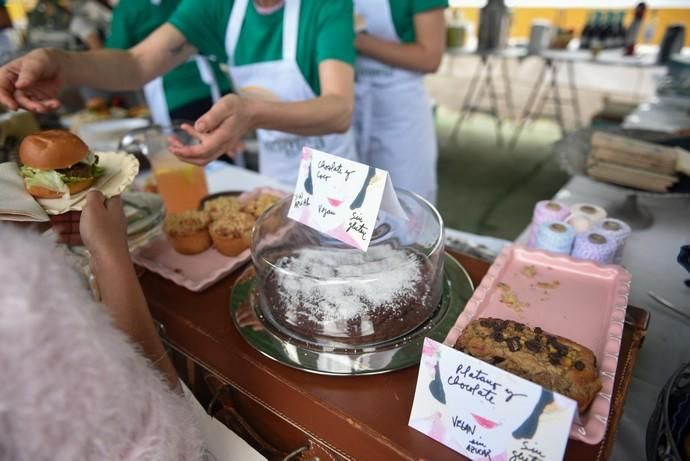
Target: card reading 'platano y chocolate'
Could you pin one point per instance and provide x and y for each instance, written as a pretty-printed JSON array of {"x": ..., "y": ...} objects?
[{"x": 486, "y": 413}]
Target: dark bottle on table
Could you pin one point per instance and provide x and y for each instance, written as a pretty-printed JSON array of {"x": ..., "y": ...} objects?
[
  {"x": 634, "y": 29},
  {"x": 605, "y": 30},
  {"x": 615, "y": 41},
  {"x": 620, "y": 29},
  {"x": 612, "y": 30},
  {"x": 595, "y": 42},
  {"x": 586, "y": 34}
]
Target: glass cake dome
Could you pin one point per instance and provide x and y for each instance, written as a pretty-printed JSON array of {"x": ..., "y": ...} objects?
[{"x": 329, "y": 296}]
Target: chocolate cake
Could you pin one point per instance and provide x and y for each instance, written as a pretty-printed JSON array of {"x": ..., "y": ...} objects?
[{"x": 348, "y": 297}]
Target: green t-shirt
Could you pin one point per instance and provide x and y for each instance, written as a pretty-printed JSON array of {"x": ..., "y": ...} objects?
[
  {"x": 133, "y": 21},
  {"x": 403, "y": 12},
  {"x": 326, "y": 31}
]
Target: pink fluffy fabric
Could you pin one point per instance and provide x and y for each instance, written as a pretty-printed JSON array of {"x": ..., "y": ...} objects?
[{"x": 72, "y": 386}]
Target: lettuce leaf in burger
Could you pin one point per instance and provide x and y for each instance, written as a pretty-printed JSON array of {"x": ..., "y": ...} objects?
[{"x": 56, "y": 163}]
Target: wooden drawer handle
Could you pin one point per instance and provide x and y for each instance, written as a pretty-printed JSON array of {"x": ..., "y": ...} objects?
[
  {"x": 249, "y": 430},
  {"x": 296, "y": 453},
  {"x": 229, "y": 408}
]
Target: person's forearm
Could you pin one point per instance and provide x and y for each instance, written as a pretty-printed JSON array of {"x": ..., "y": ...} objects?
[
  {"x": 125, "y": 70},
  {"x": 410, "y": 56},
  {"x": 113, "y": 70},
  {"x": 122, "y": 294},
  {"x": 323, "y": 115}
]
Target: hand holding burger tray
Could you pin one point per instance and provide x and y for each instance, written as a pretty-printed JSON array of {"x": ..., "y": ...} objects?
[{"x": 58, "y": 168}]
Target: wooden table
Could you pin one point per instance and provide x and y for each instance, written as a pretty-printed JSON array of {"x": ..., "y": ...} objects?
[{"x": 279, "y": 409}]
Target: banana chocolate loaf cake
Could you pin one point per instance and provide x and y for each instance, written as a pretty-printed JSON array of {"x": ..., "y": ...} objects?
[{"x": 551, "y": 361}]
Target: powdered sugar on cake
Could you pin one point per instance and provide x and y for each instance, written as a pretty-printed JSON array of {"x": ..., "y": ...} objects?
[{"x": 338, "y": 287}]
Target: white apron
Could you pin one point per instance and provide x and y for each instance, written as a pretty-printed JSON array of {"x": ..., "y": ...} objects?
[
  {"x": 393, "y": 119},
  {"x": 280, "y": 152},
  {"x": 155, "y": 94}
]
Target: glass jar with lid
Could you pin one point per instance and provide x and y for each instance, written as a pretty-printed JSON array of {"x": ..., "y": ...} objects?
[{"x": 329, "y": 296}]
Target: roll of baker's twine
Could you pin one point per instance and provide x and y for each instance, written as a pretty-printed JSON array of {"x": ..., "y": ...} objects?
[
  {"x": 580, "y": 222},
  {"x": 555, "y": 236},
  {"x": 594, "y": 247},
  {"x": 615, "y": 230},
  {"x": 593, "y": 212},
  {"x": 546, "y": 211}
]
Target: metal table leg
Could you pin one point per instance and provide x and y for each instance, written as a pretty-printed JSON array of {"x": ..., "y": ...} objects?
[
  {"x": 529, "y": 106},
  {"x": 507, "y": 88},
  {"x": 574, "y": 95},
  {"x": 558, "y": 103},
  {"x": 467, "y": 101},
  {"x": 493, "y": 98}
]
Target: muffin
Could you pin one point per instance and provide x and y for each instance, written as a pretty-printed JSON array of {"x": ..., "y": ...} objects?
[
  {"x": 222, "y": 206},
  {"x": 188, "y": 231},
  {"x": 262, "y": 203},
  {"x": 232, "y": 234}
]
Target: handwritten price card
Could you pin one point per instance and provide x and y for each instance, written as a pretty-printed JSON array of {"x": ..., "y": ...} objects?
[
  {"x": 342, "y": 198},
  {"x": 486, "y": 413}
]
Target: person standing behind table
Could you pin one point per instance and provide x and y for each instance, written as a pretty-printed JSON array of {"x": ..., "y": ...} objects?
[
  {"x": 284, "y": 54},
  {"x": 290, "y": 61},
  {"x": 401, "y": 41},
  {"x": 186, "y": 92}
]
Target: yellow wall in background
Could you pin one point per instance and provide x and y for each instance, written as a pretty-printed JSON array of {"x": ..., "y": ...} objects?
[
  {"x": 18, "y": 8},
  {"x": 575, "y": 18},
  {"x": 522, "y": 18}
]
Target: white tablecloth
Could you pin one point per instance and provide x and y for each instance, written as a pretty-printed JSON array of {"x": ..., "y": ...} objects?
[
  {"x": 221, "y": 176},
  {"x": 663, "y": 113}
]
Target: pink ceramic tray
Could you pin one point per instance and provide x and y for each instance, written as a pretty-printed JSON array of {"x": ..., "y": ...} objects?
[
  {"x": 579, "y": 300},
  {"x": 194, "y": 272}
]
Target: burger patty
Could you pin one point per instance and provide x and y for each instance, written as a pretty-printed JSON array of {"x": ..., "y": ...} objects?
[{"x": 78, "y": 170}]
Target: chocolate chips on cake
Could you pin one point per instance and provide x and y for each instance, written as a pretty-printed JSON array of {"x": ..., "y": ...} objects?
[{"x": 551, "y": 361}]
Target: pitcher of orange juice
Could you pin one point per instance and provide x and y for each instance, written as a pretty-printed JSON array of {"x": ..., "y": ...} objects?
[{"x": 181, "y": 185}]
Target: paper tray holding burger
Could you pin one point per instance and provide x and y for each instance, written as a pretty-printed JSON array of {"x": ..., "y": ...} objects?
[{"x": 58, "y": 169}]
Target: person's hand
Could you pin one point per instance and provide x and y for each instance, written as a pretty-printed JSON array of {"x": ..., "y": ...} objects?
[
  {"x": 362, "y": 41},
  {"x": 32, "y": 81},
  {"x": 103, "y": 226},
  {"x": 219, "y": 131}
]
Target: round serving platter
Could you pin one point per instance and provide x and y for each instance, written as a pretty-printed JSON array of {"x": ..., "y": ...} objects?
[{"x": 382, "y": 357}]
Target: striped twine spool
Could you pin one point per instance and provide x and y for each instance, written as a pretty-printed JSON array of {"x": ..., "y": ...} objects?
[
  {"x": 546, "y": 211},
  {"x": 594, "y": 247},
  {"x": 615, "y": 230},
  {"x": 556, "y": 237}
]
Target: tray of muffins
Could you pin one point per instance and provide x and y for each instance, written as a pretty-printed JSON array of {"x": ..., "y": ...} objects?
[
  {"x": 199, "y": 247},
  {"x": 552, "y": 320}
]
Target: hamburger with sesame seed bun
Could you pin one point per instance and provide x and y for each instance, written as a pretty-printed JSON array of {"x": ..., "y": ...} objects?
[{"x": 56, "y": 163}]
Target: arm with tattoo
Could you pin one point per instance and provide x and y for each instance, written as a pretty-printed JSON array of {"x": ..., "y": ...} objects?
[{"x": 35, "y": 80}]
